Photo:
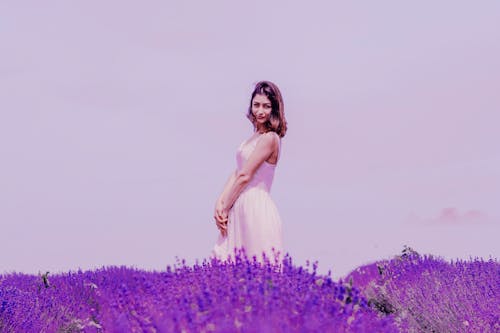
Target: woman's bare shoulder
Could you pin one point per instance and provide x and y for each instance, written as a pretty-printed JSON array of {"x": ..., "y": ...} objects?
[
  {"x": 270, "y": 137},
  {"x": 273, "y": 137},
  {"x": 272, "y": 134}
]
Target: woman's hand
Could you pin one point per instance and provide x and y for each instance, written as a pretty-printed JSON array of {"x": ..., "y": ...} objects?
[{"x": 221, "y": 217}]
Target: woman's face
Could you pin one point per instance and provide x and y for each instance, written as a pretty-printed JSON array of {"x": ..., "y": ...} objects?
[{"x": 261, "y": 108}]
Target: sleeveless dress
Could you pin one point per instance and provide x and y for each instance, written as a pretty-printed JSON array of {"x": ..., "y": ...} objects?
[{"x": 254, "y": 223}]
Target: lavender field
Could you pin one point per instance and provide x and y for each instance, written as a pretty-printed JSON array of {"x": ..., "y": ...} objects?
[{"x": 409, "y": 293}]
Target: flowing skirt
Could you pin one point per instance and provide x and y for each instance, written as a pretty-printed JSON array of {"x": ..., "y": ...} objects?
[{"x": 254, "y": 225}]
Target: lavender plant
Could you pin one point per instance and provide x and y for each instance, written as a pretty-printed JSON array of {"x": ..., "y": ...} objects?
[
  {"x": 243, "y": 295},
  {"x": 33, "y": 304},
  {"x": 410, "y": 293},
  {"x": 428, "y": 294}
]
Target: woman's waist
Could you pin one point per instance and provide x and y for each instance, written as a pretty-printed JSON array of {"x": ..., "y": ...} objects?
[{"x": 258, "y": 185}]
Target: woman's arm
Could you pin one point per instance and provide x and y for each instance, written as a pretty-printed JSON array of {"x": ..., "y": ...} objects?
[
  {"x": 220, "y": 215},
  {"x": 227, "y": 186},
  {"x": 264, "y": 148}
]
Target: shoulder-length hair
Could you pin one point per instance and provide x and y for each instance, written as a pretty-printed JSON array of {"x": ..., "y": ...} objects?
[{"x": 277, "y": 122}]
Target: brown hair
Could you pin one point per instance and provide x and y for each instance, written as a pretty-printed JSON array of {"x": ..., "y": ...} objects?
[{"x": 277, "y": 122}]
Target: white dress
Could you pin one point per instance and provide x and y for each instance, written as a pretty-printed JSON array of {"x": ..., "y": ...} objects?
[{"x": 254, "y": 223}]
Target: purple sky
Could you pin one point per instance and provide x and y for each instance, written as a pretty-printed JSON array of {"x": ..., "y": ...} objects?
[{"x": 119, "y": 124}]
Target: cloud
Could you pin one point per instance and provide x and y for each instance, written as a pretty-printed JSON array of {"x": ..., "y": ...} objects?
[{"x": 452, "y": 216}]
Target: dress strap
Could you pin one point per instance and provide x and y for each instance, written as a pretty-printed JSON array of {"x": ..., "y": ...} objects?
[{"x": 279, "y": 149}]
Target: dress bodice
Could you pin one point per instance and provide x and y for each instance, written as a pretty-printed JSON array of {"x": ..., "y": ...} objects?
[{"x": 263, "y": 177}]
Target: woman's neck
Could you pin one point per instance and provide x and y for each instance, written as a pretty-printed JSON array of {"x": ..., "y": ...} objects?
[{"x": 260, "y": 130}]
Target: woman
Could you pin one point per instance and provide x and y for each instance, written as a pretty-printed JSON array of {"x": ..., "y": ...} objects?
[{"x": 245, "y": 214}]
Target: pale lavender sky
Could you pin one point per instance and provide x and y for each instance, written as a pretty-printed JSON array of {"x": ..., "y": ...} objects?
[{"x": 119, "y": 124}]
